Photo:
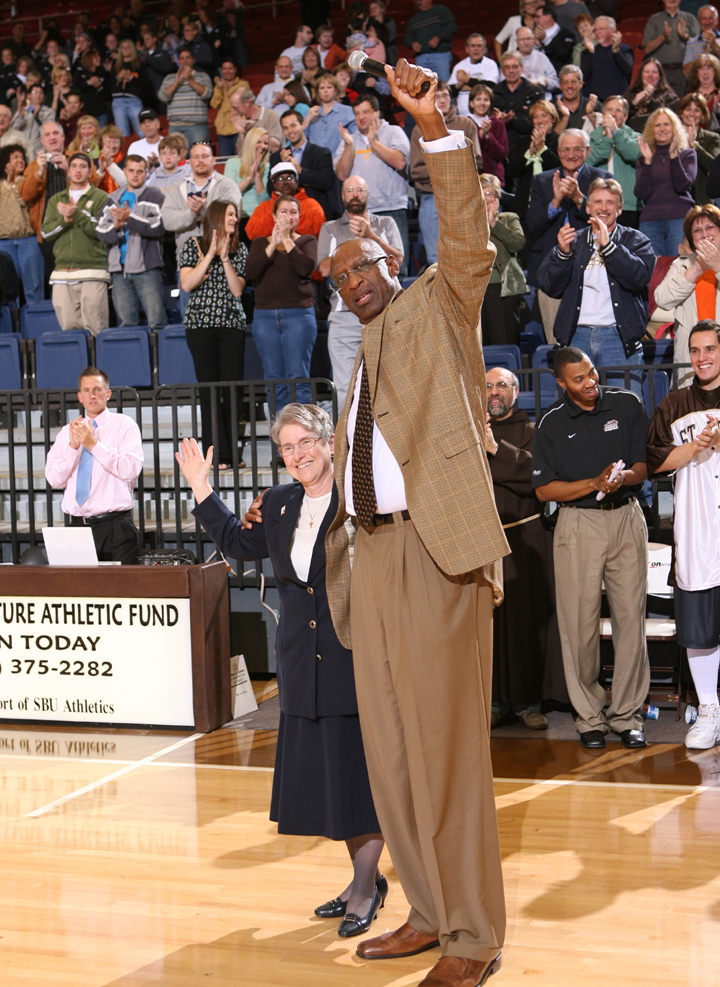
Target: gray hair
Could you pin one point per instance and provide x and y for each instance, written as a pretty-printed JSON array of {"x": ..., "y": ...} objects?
[
  {"x": 574, "y": 132},
  {"x": 514, "y": 55},
  {"x": 308, "y": 416},
  {"x": 612, "y": 23},
  {"x": 570, "y": 70}
]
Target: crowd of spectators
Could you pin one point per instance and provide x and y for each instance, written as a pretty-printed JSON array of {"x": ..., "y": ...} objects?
[
  {"x": 111, "y": 141},
  {"x": 599, "y": 175}
]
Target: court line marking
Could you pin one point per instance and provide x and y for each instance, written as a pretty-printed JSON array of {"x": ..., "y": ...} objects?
[
  {"x": 153, "y": 762},
  {"x": 115, "y": 774}
]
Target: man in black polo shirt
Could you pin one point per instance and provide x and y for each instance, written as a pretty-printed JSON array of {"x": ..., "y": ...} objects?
[{"x": 576, "y": 444}]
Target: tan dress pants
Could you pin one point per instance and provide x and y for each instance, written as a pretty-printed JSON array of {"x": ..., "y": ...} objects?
[
  {"x": 422, "y": 650},
  {"x": 81, "y": 306},
  {"x": 589, "y": 547},
  {"x": 548, "y": 312}
]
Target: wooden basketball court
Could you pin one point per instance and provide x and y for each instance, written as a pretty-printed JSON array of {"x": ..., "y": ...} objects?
[{"x": 133, "y": 859}]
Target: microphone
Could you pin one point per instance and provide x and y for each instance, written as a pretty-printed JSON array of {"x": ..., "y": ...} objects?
[{"x": 360, "y": 62}]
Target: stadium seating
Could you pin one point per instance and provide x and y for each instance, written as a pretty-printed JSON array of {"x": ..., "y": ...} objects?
[
  {"x": 60, "y": 357},
  {"x": 175, "y": 362},
  {"x": 661, "y": 382},
  {"x": 37, "y": 318},
  {"x": 502, "y": 356},
  {"x": 126, "y": 354},
  {"x": 10, "y": 369}
]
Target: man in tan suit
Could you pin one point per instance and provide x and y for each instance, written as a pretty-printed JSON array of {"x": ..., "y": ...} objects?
[{"x": 412, "y": 474}]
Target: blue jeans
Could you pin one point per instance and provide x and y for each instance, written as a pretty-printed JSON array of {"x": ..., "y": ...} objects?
[
  {"x": 400, "y": 217},
  {"x": 130, "y": 291},
  {"x": 227, "y": 144},
  {"x": 429, "y": 226},
  {"x": 285, "y": 338},
  {"x": 29, "y": 265},
  {"x": 126, "y": 110},
  {"x": 439, "y": 62},
  {"x": 605, "y": 348},
  {"x": 665, "y": 235},
  {"x": 192, "y": 131}
]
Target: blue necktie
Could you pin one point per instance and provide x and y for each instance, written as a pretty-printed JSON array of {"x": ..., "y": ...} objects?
[{"x": 82, "y": 484}]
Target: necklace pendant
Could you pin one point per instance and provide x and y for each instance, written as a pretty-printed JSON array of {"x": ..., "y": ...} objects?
[{"x": 311, "y": 524}]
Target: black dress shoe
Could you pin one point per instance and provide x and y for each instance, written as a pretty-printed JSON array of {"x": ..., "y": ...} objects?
[
  {"x": 593, "y": 739},
  {"x": 633, "y": 739},
  {"x": 355, "y": 925},
  {"x": 336, "y": 907}
]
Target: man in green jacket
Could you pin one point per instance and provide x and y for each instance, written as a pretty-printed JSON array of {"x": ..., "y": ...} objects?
[
  {"x": 614, "y": 146},
  {"x": 80, "y": 279}
]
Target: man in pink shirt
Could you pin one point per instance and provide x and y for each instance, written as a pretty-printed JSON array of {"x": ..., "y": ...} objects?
[{"x": 95, "y": 459}]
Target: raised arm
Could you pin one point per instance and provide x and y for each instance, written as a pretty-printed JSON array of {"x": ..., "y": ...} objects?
[{"x": 465, "y": 254}]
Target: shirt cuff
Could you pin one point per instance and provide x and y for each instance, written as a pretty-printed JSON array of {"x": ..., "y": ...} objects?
[
  {"x": 552, "y": 211},
  {"x": 454, "y": 141}
]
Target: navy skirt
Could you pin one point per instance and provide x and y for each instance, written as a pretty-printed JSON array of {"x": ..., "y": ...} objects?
[{"x": 321, "y": 785}]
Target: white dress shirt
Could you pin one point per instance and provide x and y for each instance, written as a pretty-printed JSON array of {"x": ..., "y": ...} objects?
[{"x": 389, "y": 483}]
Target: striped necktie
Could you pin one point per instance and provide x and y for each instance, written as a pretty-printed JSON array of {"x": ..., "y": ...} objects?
[{"x": 363, "y": 483}]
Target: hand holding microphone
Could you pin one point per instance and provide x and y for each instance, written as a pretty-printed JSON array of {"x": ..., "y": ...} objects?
[{"x": 360, "y": 62}]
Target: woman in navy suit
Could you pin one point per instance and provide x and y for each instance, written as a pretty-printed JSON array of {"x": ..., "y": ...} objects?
[{"x": 320, "y": 785}]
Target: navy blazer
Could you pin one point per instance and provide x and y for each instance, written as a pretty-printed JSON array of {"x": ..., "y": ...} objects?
[
  {"x": 544, "y": 229},
  {"x": 629, "y": 263},
  {"x": 317, "y": 176},
  {"x": 315, "y": 672}
]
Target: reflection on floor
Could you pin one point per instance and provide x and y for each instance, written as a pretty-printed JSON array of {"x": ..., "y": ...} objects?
[{"x": 172, "y": 875}]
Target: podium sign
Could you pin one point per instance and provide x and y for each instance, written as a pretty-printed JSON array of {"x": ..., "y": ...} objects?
[
  {"x": 133, "y": 646},
  {"x": 96, "y": 661}
]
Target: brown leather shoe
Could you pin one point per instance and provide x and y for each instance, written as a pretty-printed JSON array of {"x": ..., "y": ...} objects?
[
  {"x": 453, "y": 971},
  {"x": 404, "y": 941}
]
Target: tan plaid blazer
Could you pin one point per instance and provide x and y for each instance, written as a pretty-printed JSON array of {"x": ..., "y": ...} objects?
[{"x": 428, "y": 393}]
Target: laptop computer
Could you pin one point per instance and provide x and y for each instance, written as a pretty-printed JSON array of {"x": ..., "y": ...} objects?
[{"x": 70, "y": 546}]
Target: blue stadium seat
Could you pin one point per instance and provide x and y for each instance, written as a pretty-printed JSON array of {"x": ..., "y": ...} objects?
[
  {"x": 37, "y": 318},
  {"x": 529, "y": 342},
  {"x": 126, "y": 354},
  {"x": 6, "y": 322},
  {"x": 502, "y": 356},
  {"x": 658, "y": 350},
  {"x": 548, "y": 386},
  {"x": 60, "y": 357},
  {"x": 661, "y": 381},
  {"x": 10, "y": 370},
  {"x": 143, "y": 328},
  {"x": 175, "y": 362}
]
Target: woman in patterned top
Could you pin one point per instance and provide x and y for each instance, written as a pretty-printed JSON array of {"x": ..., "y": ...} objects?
[{"x": 213, "y": 271}]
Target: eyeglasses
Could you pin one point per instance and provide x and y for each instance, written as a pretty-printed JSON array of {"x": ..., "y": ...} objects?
[
  {"x": 362, "y": 268},
  {"x": 286, "y": 176},
  {"x": 353, "y": 190},
  {"x": 571, "y": 150},
  {"x": 502, "y": 385},
  {"x": 304, "y": 445}
]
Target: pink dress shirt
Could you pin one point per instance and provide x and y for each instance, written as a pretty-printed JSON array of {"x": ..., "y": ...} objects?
[{"x": 117, "y": 460}]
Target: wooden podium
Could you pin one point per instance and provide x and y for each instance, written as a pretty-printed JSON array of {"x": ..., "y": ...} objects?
[{"x": 53, "y": 652}]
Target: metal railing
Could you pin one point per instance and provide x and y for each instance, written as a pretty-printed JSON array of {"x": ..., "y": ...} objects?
[{"x": 30, "y": 420}]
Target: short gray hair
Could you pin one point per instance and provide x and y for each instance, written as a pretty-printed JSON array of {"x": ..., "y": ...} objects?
[
  {"x": 308, "y": 416},
  {"x": 574, "y": 132},
  {"x": 513, "y": 55},
  {"x": 610, "y": 20},
  {"x": 571, "y": 70}
]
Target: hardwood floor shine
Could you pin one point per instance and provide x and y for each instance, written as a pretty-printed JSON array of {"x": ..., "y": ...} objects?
[{"x": 170, "y": 873}]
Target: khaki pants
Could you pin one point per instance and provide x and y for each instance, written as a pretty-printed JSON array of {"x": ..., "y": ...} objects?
[
  {"x": 422, "y": 647},
  {"x": 548, "y": 311},
  {"x": 81, "y": 306},
  {"x": 589, "y": 547}
]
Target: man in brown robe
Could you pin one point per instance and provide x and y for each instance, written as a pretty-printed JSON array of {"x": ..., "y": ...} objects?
[{"x": 525, "y": 627}]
